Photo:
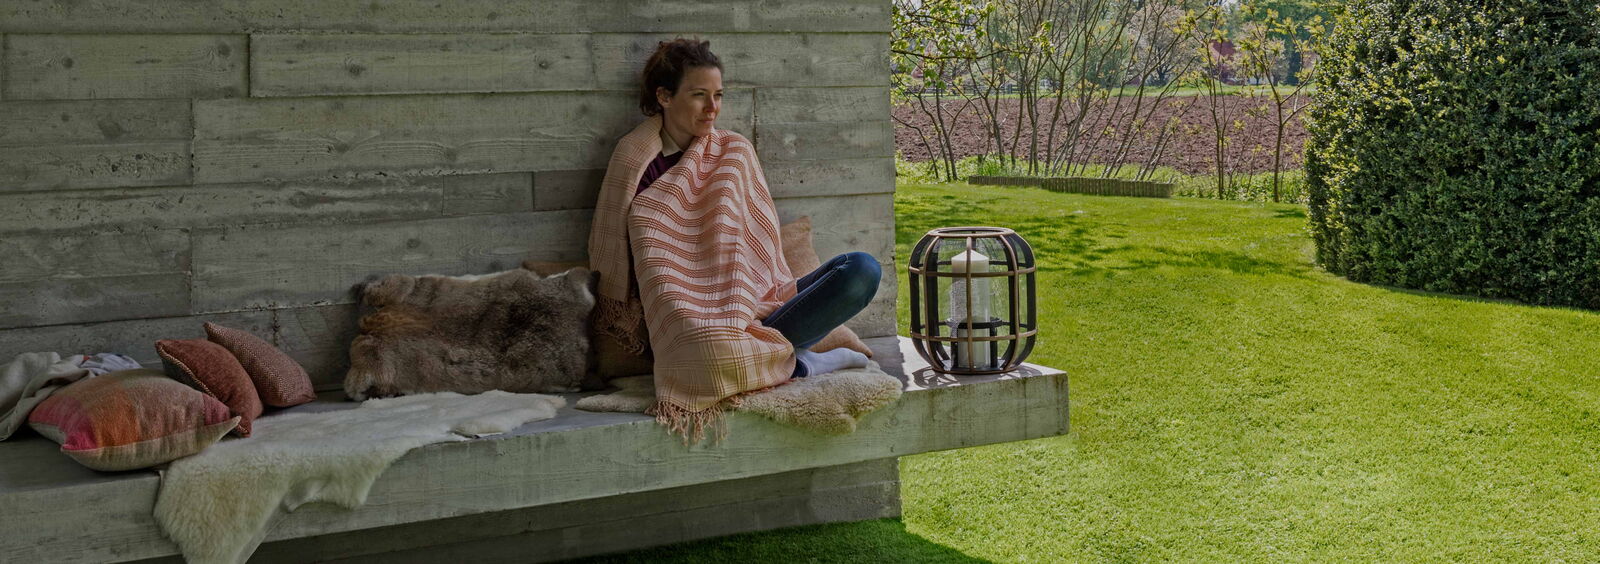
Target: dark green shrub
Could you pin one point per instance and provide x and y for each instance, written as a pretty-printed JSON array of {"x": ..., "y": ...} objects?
[{"x": 1455, "y": 147}]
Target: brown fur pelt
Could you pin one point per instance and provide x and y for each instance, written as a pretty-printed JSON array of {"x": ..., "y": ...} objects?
[{"x": 514, "y": 331}]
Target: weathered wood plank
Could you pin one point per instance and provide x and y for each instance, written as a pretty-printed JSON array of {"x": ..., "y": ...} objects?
[
  {"x": 53, "y": 167},
  {"x": 331, "y": 64},
  {"x": 54, "y": 67},
  {"x": 318, "y": 264},
  {"x": 318, "y": 337},
  {"x": 93, "y": 143},
  {"x": 835, "y": 177},
  {"x": 46, "y": 280},
  {"x": 293, "y": 202},
  {"x": 133, "y": 337},
  {"x": 845, "y": 223},
  {"x": 758, "y": 511},
  {"x": 567, "y": 189},
  {"x": 34, "y": 123},
  {"x": 82, "y": 300},
  {"x": 477, "y": 194},
  {"x": 542, "y": 16},
  {"x": 824, "y": 141},
  {"x": 866, "y": 490},
  {"x": 807, "y": 105},
  {"x": 760, "y": 59},
  {"x": 263, "y": 139}
]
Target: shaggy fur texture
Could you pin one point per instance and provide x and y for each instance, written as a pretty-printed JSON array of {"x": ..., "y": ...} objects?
[
  {"x": 512, "y": 331},
  {"x": 216, "y": 505},
  {"x": 830, "y": 403}
]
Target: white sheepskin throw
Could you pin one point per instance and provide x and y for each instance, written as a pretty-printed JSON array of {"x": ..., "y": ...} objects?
[
  {"x": 829, "y": 404},
  {"x": 217, "y": 505}
]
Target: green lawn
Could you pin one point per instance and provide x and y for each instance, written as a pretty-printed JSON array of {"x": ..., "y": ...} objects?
[{"x": 1232, "y": 402}]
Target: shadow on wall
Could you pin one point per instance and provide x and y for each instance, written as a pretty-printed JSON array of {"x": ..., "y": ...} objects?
[{"x": 882, "y": 540}]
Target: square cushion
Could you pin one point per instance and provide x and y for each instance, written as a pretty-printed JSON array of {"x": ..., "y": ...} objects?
[
  {"x": 130, "y": 419},
  {"x": 279, "y": 380},
  {"x": 208, "y": 367},
  {"x": 802, "y": 259}
]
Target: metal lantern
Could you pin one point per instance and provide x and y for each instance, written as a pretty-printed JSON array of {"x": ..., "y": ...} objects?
[{"x": 972, "y": 300}]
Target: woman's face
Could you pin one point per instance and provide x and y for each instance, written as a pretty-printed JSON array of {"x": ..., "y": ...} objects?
[{"x": 693, "y": 109}]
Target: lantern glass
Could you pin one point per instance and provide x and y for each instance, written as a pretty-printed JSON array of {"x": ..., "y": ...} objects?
[{"x": 949, "y": 307}]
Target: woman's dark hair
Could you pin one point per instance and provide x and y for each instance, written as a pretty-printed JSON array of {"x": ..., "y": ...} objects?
[{"x": 666, "y": 67}]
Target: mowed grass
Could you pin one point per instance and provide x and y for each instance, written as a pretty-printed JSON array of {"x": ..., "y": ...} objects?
[{"x": 1230, "y": 402}]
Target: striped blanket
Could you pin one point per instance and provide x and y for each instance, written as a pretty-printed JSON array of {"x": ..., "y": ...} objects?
[{"x": 703, "y": 240}]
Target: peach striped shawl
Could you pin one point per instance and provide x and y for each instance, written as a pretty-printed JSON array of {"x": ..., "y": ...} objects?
[{"x": 704, "y": 242}]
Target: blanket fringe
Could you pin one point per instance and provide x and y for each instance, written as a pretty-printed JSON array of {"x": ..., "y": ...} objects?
[{"x": 690, "y": 424}]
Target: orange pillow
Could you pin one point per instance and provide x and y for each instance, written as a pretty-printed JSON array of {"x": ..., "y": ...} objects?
[
  {"x": 130, "y": 419},
  {"x": 279, "y": 380},
  {"x": 208, "y": 367},
  {"x": 802, "y": 259}
]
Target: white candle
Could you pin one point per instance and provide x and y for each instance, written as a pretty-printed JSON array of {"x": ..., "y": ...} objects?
[{"x": 974, "y": 262}]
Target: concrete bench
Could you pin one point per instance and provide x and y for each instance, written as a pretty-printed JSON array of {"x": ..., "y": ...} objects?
[{"x": 579, "y": 484}]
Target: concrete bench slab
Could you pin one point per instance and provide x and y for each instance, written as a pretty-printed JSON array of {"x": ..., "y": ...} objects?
[{"x": 562, "y": 487}]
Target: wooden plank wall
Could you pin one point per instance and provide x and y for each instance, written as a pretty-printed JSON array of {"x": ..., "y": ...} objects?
[{"x": 250, "y": 162}]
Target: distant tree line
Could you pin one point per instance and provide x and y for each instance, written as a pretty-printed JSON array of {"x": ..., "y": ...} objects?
[{"x": 1089, "y": 76}]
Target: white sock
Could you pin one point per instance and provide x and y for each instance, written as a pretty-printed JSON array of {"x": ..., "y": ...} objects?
[{"x": 825, "y": 362}]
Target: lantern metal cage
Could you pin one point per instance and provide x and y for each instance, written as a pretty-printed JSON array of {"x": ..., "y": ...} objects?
[{"x": 986, "y": 271}]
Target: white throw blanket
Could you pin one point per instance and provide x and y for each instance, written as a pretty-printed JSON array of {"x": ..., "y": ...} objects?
[
  {"x": 29, "y": 379},
  {"x": 217, "y": 505}
]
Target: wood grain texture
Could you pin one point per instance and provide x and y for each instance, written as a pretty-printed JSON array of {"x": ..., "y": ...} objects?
[
  {"x": 825, "y": 141},
  {"x": 33, "y": 123},
  {"x": 55, "y": 67},
  {"x": 318, "y": 337},
  {"x": 845, "y": 223},
  {"x": 835, "y": 177},
  {"x": 133, "y": 337},
  {"x": 810, "y": 105},
  {"x": 82, "y": 300},
  {"x": 332, "y": 64},
  {"x": 293, "y": 202},
  {"x": 758, "y": 59},
  {"x": 353, "y": 138},
  {"x": 322, "y": 264},
  {"x": 58, "y": 145},
  {"x": 63, "y": 167},
  {"x": 866, "y": 490},
  {"x": 567, "y": 189},
  {"x": 576, "y": 456},
  {"x": 538, "y": 16}
]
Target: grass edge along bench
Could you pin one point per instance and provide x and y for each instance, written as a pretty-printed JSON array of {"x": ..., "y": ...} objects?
[
  {"x": 579, "y": 484},
  {"x": 1082, "y": 185}
]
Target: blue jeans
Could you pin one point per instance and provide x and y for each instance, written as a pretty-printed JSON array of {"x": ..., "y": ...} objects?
[{"x": 826, "y": 298}]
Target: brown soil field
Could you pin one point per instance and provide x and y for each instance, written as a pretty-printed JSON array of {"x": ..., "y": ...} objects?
[{"x": 1190, "y": 148}]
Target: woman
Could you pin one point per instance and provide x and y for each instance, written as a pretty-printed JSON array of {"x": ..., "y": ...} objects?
[{"x": 685, "y": 240}]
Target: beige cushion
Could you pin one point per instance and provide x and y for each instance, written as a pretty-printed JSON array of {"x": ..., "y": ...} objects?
[{"x": 802, "y": 259}]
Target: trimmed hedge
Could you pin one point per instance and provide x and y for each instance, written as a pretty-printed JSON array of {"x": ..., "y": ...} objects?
[{"x": 1455, "y": 147}]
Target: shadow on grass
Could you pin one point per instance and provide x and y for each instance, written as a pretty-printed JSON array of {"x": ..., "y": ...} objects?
[
  {"x": 1238, "y": 263},
  {"x": 1289, "y": 214},
  {"x": 880, "y": 541}
]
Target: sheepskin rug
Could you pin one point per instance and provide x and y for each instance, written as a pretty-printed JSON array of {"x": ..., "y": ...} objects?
[
  {"x": 217, "y": 505},
  {"x": 829, "y": 404}
]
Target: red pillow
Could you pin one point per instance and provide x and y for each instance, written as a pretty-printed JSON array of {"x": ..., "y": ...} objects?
[
  {"x": 208, "y": 367},
  {"x": 130, "y": 419},
  {"x": 279, "y": 380}
]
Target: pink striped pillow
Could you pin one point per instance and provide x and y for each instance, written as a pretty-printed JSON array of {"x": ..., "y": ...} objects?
[{"x": 130, "y": 419}]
